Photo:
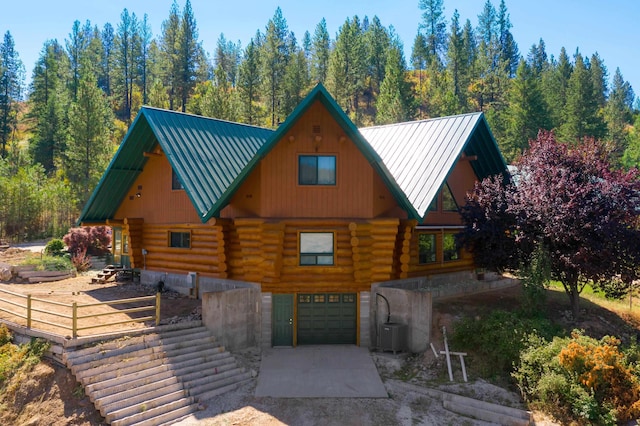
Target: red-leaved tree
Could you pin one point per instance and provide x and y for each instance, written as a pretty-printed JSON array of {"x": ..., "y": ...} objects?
[{"x": 570, "y": 200}]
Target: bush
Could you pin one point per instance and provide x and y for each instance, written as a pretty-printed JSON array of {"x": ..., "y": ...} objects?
[
  {"x": 81, "y": 261},
  {"x": 495, "y": 341},
  {"x": 93, "y": 240},
  {"x": 579, "y": 378},
  {"x": 55, "y": 247},
  {"x": 49, "y": 263}
]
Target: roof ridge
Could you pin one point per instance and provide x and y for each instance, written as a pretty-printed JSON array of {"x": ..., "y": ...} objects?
[
  {"x": 204, "y": 117},
  {"x": 421, "y": 121}
]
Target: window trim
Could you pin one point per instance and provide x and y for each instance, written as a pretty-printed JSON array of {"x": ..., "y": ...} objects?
[
  {"x": 301, "y": 253},
  {"x": 439, "y": 231},
  {"x": 317, "y": 156},
  {"x": 170, "y": 240}
]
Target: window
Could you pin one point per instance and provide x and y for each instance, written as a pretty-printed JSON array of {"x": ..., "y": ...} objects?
[
  {"x": 449, "y": 248},
  {"x": 180, "y": 239},
  {"x": 316, "y": 248},
  {"x": 317, "y": 170},
  {"x": 448, "y": 202},
  {"x": 426, "y": 248},
  {"x": 175, "y": 182}
]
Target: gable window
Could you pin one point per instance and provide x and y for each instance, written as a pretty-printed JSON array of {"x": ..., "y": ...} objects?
[
  {"x": 316, "y": 248},
  {"x": 449, "y": 247},
  {"x": 426, "y": 248},
  {"x": 175, "y": 182},
  {"x": 180, "y": 239},
  {"x": 448, "y": 202},
  {"x": 317, "y": 170}
]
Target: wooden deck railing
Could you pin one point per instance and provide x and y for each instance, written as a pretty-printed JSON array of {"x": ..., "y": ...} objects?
[{"x": 74, "y": 315}]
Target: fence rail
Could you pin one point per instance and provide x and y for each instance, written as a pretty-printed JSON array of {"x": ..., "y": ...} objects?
[{"x": 73, "y": 315}]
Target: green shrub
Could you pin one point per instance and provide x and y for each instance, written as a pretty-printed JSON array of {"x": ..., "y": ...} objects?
[
  {"x": 495, "y": 341},
  {"x": 55, "y": 247},
  {"x": 49, "y": 263},
  {"x": 579, "y": 378}
]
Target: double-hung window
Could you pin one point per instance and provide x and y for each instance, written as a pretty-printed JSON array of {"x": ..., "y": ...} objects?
[
  {"x": 316, "y": 248},
  {"x": 180, "y": 239},
  {"x": 317, "y": 170}
]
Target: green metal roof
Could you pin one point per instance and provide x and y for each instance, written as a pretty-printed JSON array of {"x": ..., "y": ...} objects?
[
  {"x": 212, "y": 158},
  {"x": 207, "y": 155}
]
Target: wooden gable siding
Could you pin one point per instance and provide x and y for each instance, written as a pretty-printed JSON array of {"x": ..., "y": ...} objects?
[
  {"x": 268, "y": 252},
  {"x": 273, "y": 190},
  {"x": 461, "y": 180},
  {"x": 157, "y": 203}
]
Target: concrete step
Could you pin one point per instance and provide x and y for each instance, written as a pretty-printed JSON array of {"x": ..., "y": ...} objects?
[
  {"x": 205, "y": 395},
  {"x": 196, "y": 388},
  {"x": 150, "y": 402},
  {"x": 172, "y": 410},
  {"x": 125, "y": 360},
  {"x": 154, "y": 379},
  {"x": 487, "y": 411},
  {"x": 106, "y": 400},
  {"x": 168, "y": 332}
]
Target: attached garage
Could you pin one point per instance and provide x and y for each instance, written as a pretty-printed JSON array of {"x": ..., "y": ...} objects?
[{"x": 327, "y": 318}]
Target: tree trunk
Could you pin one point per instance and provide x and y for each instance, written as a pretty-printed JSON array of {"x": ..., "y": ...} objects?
[{"x": 574, "y": 298}]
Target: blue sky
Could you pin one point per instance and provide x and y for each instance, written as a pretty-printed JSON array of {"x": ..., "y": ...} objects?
[{"x": 607, "y": 27}]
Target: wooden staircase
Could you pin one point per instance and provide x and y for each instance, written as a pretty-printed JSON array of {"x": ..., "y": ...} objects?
[
  {"x": 156, "y": 378},
  {"x": 107, "y": 273}
]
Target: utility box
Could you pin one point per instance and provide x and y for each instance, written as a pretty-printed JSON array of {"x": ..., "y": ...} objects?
[
  {"x": 192, "y": 283},
  {"x": 393, "y": 337}
]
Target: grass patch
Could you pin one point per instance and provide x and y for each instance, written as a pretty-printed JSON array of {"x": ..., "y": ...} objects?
[{"x": 49, "y": 263}]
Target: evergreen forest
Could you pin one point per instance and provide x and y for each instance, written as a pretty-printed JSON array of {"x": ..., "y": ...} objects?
[{"x": 58, "y": 134}]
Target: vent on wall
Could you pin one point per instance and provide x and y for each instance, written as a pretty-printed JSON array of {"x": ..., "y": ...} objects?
[{"x": 316, "y": 129}]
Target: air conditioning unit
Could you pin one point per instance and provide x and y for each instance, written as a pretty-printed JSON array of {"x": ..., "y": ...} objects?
[{"x": 393, "y": 337}]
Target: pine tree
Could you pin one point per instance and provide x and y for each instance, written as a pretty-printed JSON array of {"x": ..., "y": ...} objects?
[
  {"x": 395, "y": 103},
  {"x": 127, "y": 47},
  {"x": 274, "y": 58},
  {"x": 90, "y": 146},
  {"x": 618, "y": 114},
  {"x": 555, "y": 83},
  {"x": 145, "y": 37},
  {"x": 76, "y": 45},
  {"x": 537, "y": 58},
  {"x": 249, "y": 84},
  {"x": 320, "y": 45},
  {"x": 435, "y": 27},
  {"x": 347, "y": 68},
  {"x": 11, "y": 81},
  {"x": 48, "y": 106},
  {"x": 581, "y": 117},
  {"x": 599, "y": 77},
  {"x": 170, "y": 54},
  {"x": 527, "y": 112},
  {"x": 419, "y": 60},
  {"x": 189, "y": 55},
  {"x": 108, "y": 52},
  {"x": 509, "y": 56},
  {"x": 227, "y": 57},
  {"x": 377, "y": 43},
  {"x": 457, "y": 63}
]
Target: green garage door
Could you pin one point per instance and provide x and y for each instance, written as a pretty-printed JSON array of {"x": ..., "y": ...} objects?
[{"x": 327, "y": 319}]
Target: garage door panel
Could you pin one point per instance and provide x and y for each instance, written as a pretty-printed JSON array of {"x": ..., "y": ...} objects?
[{"x": 327, "y": 318}]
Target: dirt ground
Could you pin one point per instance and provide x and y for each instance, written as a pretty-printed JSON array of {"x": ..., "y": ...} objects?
[{"x": 51, "y": 396}]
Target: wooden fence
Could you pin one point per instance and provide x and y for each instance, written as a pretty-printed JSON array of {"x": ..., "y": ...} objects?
[{"x": 72, "y": 313}]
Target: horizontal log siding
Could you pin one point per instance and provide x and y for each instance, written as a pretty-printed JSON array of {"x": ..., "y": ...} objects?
[
  {"x": 157, "y": 203},
  {"x": 133, "y": 228},
  {"x": 268, "y": 252},
  {"x": 206, "y": 256}
]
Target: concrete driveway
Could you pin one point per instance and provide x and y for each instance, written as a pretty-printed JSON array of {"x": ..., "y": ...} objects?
[{"x": 322, "y": 371}]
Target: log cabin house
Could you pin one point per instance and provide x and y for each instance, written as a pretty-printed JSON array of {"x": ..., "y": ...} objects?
[{"x": 314, "y": 212}]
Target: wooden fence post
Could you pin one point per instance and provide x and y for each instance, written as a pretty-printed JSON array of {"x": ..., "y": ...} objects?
[
  {"x": 28, "y": 311},
  {"x": 74, "y": 325},
  {"x": 158, "y": 308}
]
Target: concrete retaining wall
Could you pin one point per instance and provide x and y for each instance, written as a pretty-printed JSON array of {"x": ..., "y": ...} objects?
[
  {"x": 191, "y": 285},
  {"x": 233, "y": 316},
  {"x": 411, "y": 301}
]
